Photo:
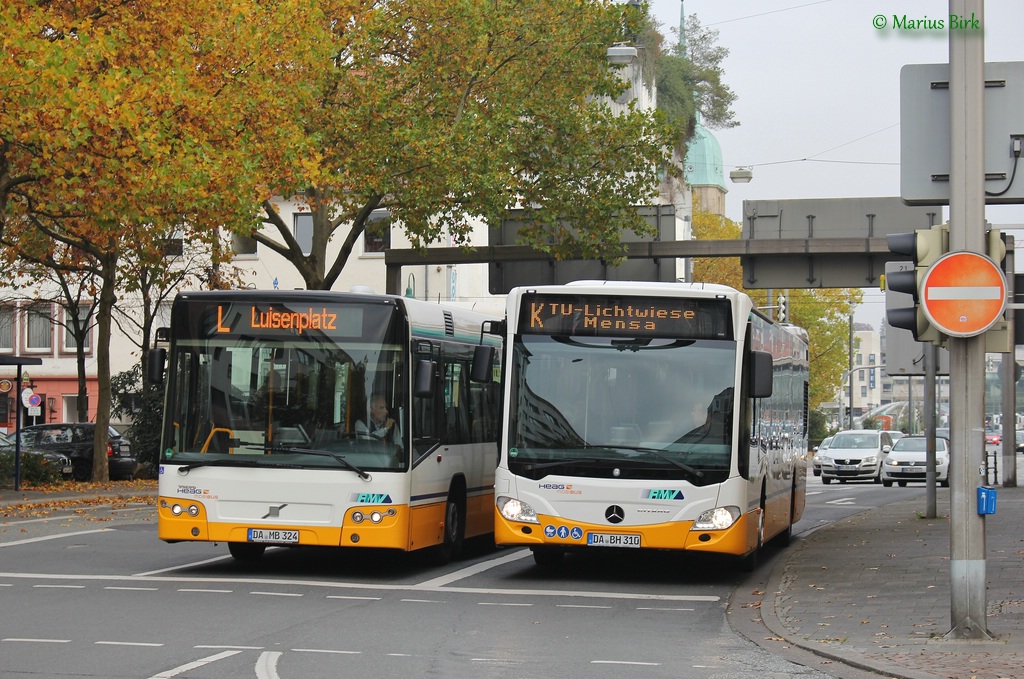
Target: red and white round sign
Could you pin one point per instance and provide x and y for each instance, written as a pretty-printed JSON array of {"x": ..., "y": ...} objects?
[{"x": 963, "y": 294}]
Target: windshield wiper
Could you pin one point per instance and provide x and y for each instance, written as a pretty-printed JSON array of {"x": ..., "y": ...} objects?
[
  {"x": 326, "y": 453},
  {"x": 233, "y": 463},
  {"x": 698, "y": 474},
  {"x": 563, "y": 462}
]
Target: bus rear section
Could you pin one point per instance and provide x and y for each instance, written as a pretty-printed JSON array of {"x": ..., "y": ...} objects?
[{"x": 641, "y": 416}]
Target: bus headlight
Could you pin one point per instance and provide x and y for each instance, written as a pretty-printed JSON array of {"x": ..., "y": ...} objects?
[
  {"x": 718, "y": 518},
  {"x": 515, "y": 510}
]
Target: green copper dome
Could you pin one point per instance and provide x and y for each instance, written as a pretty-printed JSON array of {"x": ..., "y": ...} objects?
[{"x": 703, "y": 164}]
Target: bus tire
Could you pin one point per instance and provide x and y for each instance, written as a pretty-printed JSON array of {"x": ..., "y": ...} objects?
[
  {"x": 749, "y": 562},
  {"x": 454, "y": 531},
  {"x": 548, "y": 558},
  {"x": 246, "y": 551},
  {"x": 786, "y": 536}
]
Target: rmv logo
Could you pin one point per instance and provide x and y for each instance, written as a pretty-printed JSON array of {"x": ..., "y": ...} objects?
[
  {"x": 656, "y": 494},
  {"x": 374, "y": 498}
]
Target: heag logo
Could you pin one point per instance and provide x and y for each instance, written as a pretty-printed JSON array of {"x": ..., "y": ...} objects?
[
  {"x": 551, "y": 486},
  {"x": 191, "y": 490}
]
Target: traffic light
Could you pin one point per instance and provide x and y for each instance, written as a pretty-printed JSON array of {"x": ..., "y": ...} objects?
[
  {"x": 924, "y": 246},
  {"x": 783, "y": 311}
]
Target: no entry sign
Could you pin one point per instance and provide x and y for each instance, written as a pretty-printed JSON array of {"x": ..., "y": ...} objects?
[{"x": 963, "y": 294}]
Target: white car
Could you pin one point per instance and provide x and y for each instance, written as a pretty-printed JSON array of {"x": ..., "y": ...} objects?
[
  {"x": 855, "y": 455},
  {"x": 907, "y": 461}
]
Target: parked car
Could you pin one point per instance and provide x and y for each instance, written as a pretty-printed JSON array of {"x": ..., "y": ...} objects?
[
  {"x": 993, "y": 437},
  {"x": 75, "y": 439},
  {"x": 855, "y": 455},
  {"x": 59, "y": 460},
  {"x": 907, "y": 461},
  {"x": 818, "y": 450},
  {"x": 1019, "y": 434}
]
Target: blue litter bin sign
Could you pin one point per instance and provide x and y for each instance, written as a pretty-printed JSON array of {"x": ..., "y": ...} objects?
[{"x": 986, "y": 500}]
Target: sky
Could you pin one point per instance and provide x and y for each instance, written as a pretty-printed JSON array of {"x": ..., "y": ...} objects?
[{"x": 818, "y": 94}]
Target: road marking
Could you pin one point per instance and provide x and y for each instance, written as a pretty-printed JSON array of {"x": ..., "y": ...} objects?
[
  {"x": 474, "y": 569},
  {"x": 126, "y": 643},
  {"x": 39, "y": 641},
  {"x": 277, "y": 593},
  {"x": 134, "y": 589},
  {"x": 624, "y": 662},
  {"x": 266, "y": 666},
  {"x": 54, "y": 537},
  {"x": 843, "y": 501},
  {"x": 496, "y": 603},
  {"x": 181, "y": 669},
  {"x": 326, "y": 650},
  {"x": 206, "y": 591}
]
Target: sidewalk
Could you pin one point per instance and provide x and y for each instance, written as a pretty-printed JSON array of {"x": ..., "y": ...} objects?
[{"x": 873, "y": 591}]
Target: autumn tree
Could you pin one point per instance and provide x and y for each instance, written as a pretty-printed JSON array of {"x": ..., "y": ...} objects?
[
  {"x": 444, "y": 112},
  {"x": 120, "y": 121},
  {"x": 823, "y": 312}
]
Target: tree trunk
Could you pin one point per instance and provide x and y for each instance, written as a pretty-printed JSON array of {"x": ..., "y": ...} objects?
[{"x": 108, "y": 277}]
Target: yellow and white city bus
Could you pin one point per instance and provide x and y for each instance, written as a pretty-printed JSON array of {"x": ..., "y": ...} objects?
[
  {"x": 651, "y": 416},
  {"x": 269, "y": 439}
]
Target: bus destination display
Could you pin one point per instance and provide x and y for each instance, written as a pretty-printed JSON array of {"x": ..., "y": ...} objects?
[{"x": 613, "y": 316}]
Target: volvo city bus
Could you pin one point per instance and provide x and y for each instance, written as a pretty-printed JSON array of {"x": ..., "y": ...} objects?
[
  {"x": 649, "y": 416},
  {"x": 268, "y": 436}
]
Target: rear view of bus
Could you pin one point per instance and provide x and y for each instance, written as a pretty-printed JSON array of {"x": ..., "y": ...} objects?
[
  {"x": 331, "y": 419},
  {"x": 649, "y": 416}
]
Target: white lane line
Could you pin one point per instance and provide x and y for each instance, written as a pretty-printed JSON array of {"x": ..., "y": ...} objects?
[
  {"x": 499, "y": 603},
  {"x": 266, "y": 666},
  {"x": 134, "y": 589},
  {"x": 59, "y": 586},
  {"x": 624, "y": 662},
  {"x": 579, "y": 606},
  {"x": 54, "y": 537},
  {"x": 206, "y": 591},
  {"x": 421, "y": 601},
  {"x": 355, "y": 598},
  {"x": 187, "y": 565},
  {"x": 652, "y": 608},
  {"x": 38, "y": 641},
  {"x": 229, "y": 647},
  {"x": 474, "y": 569},
  {"x": 325, "y": 650},
  {"x": 181, "y": 669},
  {"x": 277, "y": 594},
  {"x": 126, "y": 643}
]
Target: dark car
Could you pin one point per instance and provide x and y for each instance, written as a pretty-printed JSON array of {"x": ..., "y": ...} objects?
[
  {"x": 59, "y": 460},
  {"x": 74, "y": 439}
]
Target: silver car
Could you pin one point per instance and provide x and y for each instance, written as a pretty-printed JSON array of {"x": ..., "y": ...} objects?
[
  {"x": 818, "y": 450},
  {"x": 855, "y": 455},
  {"x": 907, "y": 461}
]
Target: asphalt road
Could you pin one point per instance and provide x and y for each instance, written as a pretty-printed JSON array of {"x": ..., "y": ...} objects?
[{"x": 92, "y": 592}]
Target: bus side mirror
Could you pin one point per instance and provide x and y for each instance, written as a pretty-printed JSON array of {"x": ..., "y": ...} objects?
[
  {"x": 483, "y": 359},
  {"x": 760, "y": 374},
  {"x": 423, "y": 383},
  {"x": 155, "y": 369}
]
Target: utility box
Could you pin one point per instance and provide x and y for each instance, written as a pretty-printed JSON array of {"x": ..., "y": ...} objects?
[{"x": 986, "y": 500}]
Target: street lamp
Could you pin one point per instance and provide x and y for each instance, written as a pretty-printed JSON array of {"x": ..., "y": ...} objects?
[{"x": 741, "y": 175}]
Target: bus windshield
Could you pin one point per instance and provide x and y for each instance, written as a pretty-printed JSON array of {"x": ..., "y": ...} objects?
[
  {"x": 618, "y": 407},
  {"x": 287, "y": 385}
]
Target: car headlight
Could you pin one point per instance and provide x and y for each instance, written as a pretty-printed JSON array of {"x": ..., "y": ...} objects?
[
  {"x": 718, "y": 518},
  {"x": 871, "y": 459},
  {"x": 939, "y": 461},
  {"x": 516, "y": 510}
]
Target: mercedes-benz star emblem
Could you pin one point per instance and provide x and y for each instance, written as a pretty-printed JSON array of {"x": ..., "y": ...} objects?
[{"x": 614, "y": 514}]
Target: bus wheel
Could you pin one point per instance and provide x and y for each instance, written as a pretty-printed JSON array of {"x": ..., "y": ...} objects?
[
  {"x": 454, "y": 533},
  {"x": 246, "y": 551},
  {"x": 749, "y": 562},
  {"x": 548, "y": 558}
]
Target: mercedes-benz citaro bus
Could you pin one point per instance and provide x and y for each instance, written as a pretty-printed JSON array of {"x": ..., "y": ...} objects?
[
  {"x": 299, "y": 418},
  {"x": 668, "y": 416}
]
